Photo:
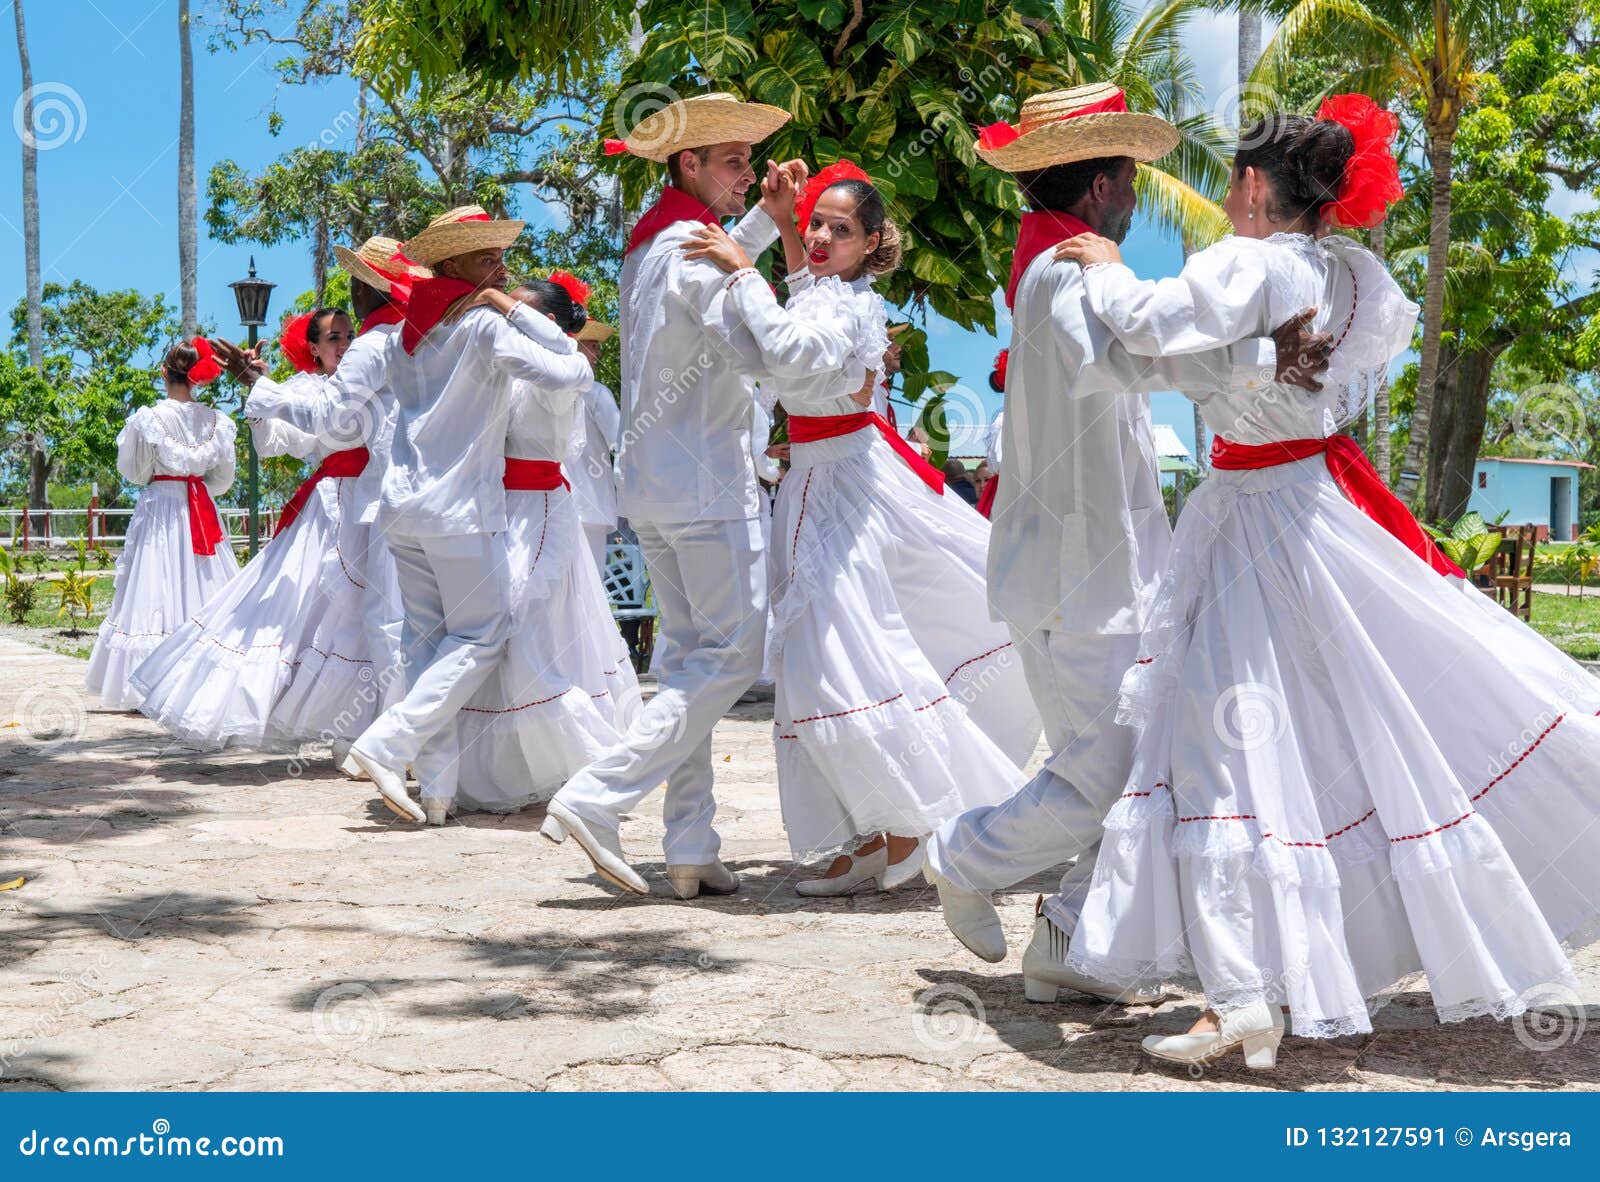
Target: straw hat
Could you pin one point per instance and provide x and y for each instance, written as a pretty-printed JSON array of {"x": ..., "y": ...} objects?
[
  {"x": 1052, "y": 131},
  {"x": 699, "y": 122},
  {"x": 596, "y": 330},
  {"x": 373, "y": 262},
  {"x": 461, "y": 231}
]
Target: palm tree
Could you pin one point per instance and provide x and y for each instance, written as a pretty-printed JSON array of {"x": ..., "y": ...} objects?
[
  {"x": 187, "y": 241},
  {"x": 38, "y": 467},
  {"x": 1427, "y": 53}
]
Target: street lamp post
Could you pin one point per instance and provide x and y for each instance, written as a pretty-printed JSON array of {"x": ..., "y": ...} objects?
[{"x": 252, "y": 295}]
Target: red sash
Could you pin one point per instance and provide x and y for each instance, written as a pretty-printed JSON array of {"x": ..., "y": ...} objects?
[
  {"x": 811, "y": 428},
  {"x": 205, "y": 527},
  {"x": 1040, "y": 232},
  {"x": 674, "y": 205},
  {"x": 349, "y": 462},
  {"x": 534, "y": 475},
  {"x": 986, "y": 497},
  {"x": 1356, "y": 478}
]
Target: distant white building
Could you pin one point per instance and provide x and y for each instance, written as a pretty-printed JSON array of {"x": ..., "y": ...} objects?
[{"x": 1170, "y": 452}]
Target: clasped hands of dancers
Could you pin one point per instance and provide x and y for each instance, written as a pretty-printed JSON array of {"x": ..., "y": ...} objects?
[{"x": 1291, "y": 718}]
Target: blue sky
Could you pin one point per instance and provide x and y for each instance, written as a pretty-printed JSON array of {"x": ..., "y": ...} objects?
[{"x": 108, "y": 165}]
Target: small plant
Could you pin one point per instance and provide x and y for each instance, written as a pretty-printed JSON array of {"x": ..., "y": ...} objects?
[
  {"x": 20, "y": 594},
  {"x": 76, "y": 591},
  {"x": 1469, "y": 543}
]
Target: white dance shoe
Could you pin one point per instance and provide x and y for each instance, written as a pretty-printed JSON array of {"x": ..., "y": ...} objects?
[
  {"x": 866, "y": 873},
  {"x": 971, "y": 918},
  {"x": 391, "y": 785},
  {"x": 438, "y": 808},
  {"x": 1045, "y": 972},
  {"x": 712, "y": 877},
  {"x": 341, "y": 756},
  {"x": 897, "y": 874},
  {"x": 604, "y": 846},
  {"x": 1257, "y": 1027}
]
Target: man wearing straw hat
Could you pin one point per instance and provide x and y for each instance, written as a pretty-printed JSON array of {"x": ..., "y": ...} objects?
[
  {"x": 1080, "y": 533},
  {"x": 592, "y": 474},
  {"x": 451, "y": 367},
  {"x": 687, "y": 487}
]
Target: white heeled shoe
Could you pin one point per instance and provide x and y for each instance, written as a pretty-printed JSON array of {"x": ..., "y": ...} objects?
[
  {"x": 341, "y": 755},
  {"x": 897, "y": 874},
  {"x": 604, "y": 846},
  {"x": 1045, "y": 972},
  {"x": 866, "y": 873},
  {"x": 711, "y": 877},
  {"x": 971, "y": 918},
  {"x": 1257, "y": 1027},
  {"x": 390, "y": 784},
  {"x": 438, "y": 808}
]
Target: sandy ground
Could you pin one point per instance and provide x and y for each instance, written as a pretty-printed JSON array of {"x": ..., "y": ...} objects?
[{"x": 245, "y": 922}]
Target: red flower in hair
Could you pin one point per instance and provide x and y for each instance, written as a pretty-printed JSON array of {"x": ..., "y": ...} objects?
[
  {"x": 1372, "y": 178},
  {"x": 996, "y": 135},
  {"x": 997, "y": 379},
  {"x": 296, "y": 345},
  {"x": 207, "y": 369},
  {"x": 843, "y": 170},
  {"x": 575, "y": 287}
]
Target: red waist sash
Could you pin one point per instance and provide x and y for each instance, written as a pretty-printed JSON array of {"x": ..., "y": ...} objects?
[
  {"x": 534, "y": 475},
  {"x": 205, "y": 527},
  {"x": 1356, "y": 478},
  {"x": 349, "y": 462},
  {"x": 812, "y": 428},
  {"x": 986, "y": 497}
]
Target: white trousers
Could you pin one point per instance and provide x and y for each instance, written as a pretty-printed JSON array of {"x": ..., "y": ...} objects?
[
  {"x": 596, "y": 534},
  {"x": 1058, "y": 815},
  {"x": 455, "y": 593},
  {"x": 710, "y": 585}
]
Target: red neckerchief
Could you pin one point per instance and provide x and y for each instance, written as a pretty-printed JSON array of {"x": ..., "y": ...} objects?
[
  {"x": 430, "y": 299},
  {"x": 674, "y": 205},
  {"x": 1040, "y": 232},
  {"x": 389, "y": 313}
]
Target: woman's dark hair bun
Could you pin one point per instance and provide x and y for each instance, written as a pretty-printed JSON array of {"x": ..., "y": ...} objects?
[
  {"x": 1304, "y": 159},
  {"x": 180, "y": 359}
]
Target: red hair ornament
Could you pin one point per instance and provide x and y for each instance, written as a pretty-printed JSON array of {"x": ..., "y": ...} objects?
[
  {"x": 296, "y": 344},
  {"x": 843, "y": 170},
  {"x": 207, "y": 369},
  {"x": 1372, "y": 178}
]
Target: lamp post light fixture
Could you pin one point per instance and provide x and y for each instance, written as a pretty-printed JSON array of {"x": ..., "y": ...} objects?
[{"x": 252, "y": 295}]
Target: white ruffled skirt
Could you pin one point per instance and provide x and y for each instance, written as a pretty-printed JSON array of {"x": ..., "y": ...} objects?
[
  {"x": 899, "y": 704},
  {"x": 1349, "y": 769},
  {"x": 280, "y": 657},
  {"x": 160, "y": 582},
  {"x": 565, "y": 691}
]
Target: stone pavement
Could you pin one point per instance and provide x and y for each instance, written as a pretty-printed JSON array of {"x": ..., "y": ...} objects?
[{"x": 241, "y": 922}]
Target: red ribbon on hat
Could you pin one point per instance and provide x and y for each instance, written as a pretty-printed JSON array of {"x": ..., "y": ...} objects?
[
  {"x": 998, "y": 135},
  {"x": 616, "y": 147}
]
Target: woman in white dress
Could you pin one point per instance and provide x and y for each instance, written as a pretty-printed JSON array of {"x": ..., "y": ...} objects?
[
  {"x": 899, "y": 704},
  {"x": 566, "y": 690},
  {"x": 1351, "y": 765},
  {"x": 280, "y": 657},
  {"x": 176, "y": 554}
]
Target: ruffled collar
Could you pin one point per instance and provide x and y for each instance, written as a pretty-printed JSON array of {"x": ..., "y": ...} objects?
[{"x": 859, "y": 309}]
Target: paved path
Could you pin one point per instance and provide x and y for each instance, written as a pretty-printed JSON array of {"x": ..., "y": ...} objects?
[{"x": 238, "y": 922}]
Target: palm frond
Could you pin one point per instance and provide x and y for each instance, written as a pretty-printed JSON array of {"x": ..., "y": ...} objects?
[
  {"x": 1174, "y": 206},
  {"x": 1349, "y": 23}
]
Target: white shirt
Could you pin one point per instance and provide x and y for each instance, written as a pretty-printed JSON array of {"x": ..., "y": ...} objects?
[
  {"x": 589, "y": 469},
  {"x": 1080, "y": 535},
  {"x": 996, "y": 450},
  {"x": 541, "y": 423},
  {"x": 684, "y": 454},
  {"x": 173, "y": 438}
]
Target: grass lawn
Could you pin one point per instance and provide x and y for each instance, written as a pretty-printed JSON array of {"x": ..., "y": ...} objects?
[
  {"x": 44, "y": 627},
  {"x": 1571, "y": 623}
]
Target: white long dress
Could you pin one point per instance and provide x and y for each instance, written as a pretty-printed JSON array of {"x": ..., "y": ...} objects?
[
  {"x": 1349, "y": 768},
  {"x": 160, "y": 581},
  {"x": 898, "y": 703},
  {"x": 566, "y": 691},
  {"x": 280, "y": 657}
]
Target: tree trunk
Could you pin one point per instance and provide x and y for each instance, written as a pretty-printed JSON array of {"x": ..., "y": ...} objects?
[
  {"x": 319, "y": 259},
  {"x": 1466, "y": 378},
  {"x": 1249, "y": 51},
  {"x": 1381, "y": 458},
  {"x": 1441, "y": 144},
  {"x": 38, "y": 459},
  {"x": 188, "y": 247}
]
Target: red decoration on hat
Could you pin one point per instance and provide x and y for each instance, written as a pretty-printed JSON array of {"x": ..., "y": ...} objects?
[
  {"x": 207, "y": 369},
  {"x": 575, "y": 287},
  {"x": 843, "y": 170},
  {"x": 1372, "y": 178},
  {"x": 616, "y": 147},
  {"x": 996, "y": 135},
  {"x": 296, "y": 344},
  {"x": 997, "y": 379}
]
